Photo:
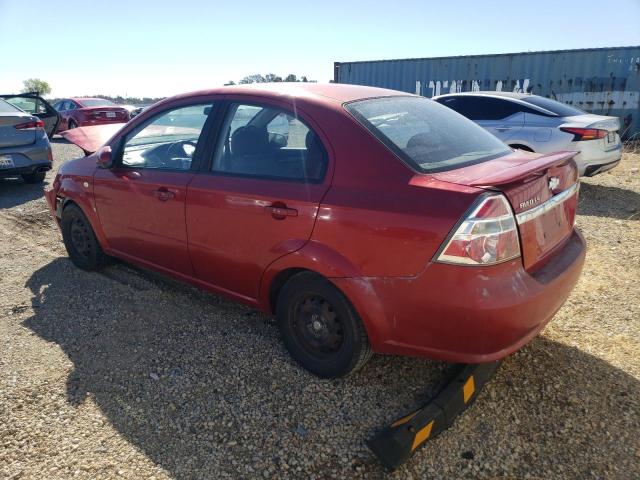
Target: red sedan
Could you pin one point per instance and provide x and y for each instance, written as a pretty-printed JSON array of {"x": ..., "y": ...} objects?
[
  {"x": 81, "y": 112},
  {"x": 364, "y": 219}
]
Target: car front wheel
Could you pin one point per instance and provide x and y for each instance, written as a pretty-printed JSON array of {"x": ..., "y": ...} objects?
[
  {"x": 80, "y": 240},
  {"x": 320, "y": 327}
]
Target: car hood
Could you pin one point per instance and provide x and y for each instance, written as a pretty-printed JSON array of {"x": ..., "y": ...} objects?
[{"x": 90, "y": 139}]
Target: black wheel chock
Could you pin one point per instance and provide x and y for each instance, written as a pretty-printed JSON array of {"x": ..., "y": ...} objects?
[{"x": 395, "y": 444}]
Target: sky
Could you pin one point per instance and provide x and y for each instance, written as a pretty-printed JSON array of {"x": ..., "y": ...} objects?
[{"x": 161, "y": 48}]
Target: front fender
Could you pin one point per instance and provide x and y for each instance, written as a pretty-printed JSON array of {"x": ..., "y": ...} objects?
[{"x": 78, "y": 188}]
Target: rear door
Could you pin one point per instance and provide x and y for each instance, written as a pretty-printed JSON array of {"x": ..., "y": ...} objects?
[
  {"x": 258, "y": 198},
  {"x": 37, "y": 106},
  {"x": 141, "y": 200}
]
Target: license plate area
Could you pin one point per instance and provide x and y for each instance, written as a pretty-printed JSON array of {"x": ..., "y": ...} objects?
[
  {"x": 111, "y": 114},
  {"x": 6, "y": 161}
]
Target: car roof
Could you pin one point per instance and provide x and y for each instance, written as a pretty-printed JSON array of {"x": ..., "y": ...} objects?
[
  {"x": 489, "y": 93},
  {"x": 80, "y": 99},
  {"x": 317, "y": 92}
]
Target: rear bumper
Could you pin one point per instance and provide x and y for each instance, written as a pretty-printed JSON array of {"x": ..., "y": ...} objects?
[
  {"x": 91, "y": 122},
  {"x": 465, "y": 314},
  {"x": 593, "y": 158},
  {"x": 27, "y": 159},
  {"x": 35, "y": 168}
]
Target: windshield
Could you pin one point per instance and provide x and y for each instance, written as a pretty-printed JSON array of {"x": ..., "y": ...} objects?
[
  {"x": 553, "y": 106},
  {"x": 428, "y": 136},
  {"x": 96, "y": 102}
]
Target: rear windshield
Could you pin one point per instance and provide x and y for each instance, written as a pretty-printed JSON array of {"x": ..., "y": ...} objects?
[
  {"x": 6, "y": 107},
  {"x": 428, "y": 136},
  {"x": 96, "y": 102},
  {"x": 558, "y": 108}
]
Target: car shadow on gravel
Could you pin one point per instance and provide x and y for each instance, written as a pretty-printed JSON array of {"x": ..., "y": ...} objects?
[
  {"x": 14, "y": 192},
  {"x": 604, "y": 201},
  {"x": 205, "y": 389}
]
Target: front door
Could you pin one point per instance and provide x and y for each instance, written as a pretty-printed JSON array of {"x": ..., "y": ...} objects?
[
  {"x": 141, "y": 200},
  {"x": 259, "y": 198}
]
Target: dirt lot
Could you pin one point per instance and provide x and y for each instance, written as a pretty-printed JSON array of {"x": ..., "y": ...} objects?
[{"x": 126, "y": 374}]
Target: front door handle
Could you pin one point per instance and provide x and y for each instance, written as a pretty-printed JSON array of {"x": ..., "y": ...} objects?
[
  {"x": 503, "y": 129},
  {"x": 281, "y": 211},
  {"x": 163, "y": 194}
]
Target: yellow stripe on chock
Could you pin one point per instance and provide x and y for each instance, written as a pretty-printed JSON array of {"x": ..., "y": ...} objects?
[
  {"x": 422, "y": 435},
  {"x": 403, "y": 419},
  {"x": 468, "y": 389}
]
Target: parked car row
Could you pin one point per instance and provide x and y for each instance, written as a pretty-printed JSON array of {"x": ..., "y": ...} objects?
[
  {"x": 366, "y": 220},
  {"x": 522, "y": 121}
]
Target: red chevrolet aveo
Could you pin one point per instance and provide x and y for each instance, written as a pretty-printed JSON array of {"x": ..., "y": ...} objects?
[{"x": 366, "y": 220}]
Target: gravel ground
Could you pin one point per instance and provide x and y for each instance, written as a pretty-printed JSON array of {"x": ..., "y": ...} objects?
[{"x": 124, "y": 374}]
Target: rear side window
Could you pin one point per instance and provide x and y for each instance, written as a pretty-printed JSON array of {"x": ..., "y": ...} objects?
[
  {"x": 97, "y": 102},
  {"x": 426, "y": 135},
  {"x": 481, "y": 108},
  {"x": 266, "y": 142},
  {"x": 558, "y": 108}
]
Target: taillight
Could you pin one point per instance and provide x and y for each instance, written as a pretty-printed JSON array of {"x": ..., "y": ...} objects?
[
  {"x": 36, "y": 125},
  {"x": 585, "y": 133},
  {"x": 488, "y": 235}
]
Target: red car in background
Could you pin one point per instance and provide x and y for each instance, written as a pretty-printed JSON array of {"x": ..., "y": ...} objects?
[
  {"x": 81, "y": 112},
  {"x": 364, "y": 219}
]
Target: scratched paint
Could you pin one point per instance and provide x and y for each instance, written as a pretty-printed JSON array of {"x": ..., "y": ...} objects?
[{"x": 604, "y": 81}]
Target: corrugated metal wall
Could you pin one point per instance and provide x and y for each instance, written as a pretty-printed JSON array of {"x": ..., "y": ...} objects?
[{"x": 599, "y": 80}]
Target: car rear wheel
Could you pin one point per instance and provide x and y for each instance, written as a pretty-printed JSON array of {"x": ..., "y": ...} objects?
[
  {"x": 72, "y": 124},
  {"x": 37, "y": 177},
  {"x": 320, "y": 328},
  {"x": 80, "y": 240}
]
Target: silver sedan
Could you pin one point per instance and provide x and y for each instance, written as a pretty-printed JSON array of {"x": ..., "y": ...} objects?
[
  {"x": 539, "y": 124},
  {"x": 24, "y": 146}
]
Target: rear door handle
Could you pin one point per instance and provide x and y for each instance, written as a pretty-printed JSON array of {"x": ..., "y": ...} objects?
[
  {"x": 163, "y": 194},
  {"x": 280, "y": 212},
  {"x": 503, "y": 129}
]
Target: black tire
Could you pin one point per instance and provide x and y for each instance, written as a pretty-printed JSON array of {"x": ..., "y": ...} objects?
[
  {"x": 72, "y": 125},
  {"x": 37, "y": 177},
  {"x": 320, "y": 327},
  {"x": 80, "y": 240}
]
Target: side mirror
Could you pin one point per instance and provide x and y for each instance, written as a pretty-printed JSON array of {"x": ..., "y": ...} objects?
[{"x": 104, "y": 157}]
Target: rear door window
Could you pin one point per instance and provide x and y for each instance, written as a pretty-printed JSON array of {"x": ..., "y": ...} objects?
[
  {"x": 266, "y": 142},
  {"x": 426, "y": 135},
  {"x": 481, "y": 108}
]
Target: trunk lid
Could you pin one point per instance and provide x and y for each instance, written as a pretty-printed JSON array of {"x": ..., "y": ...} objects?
[
  {"x": 542, "y": 190},
  {"x": 589, "y": 120},
  {"x": 107, "y": 113},
  {"x": 11, "y": 136},
  {"x": 90, "y": 139}
]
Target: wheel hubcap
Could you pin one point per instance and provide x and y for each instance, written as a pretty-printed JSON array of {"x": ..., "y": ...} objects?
[
  {"x": 317, "y": 326},
  {"x": 80, "y": 237}
]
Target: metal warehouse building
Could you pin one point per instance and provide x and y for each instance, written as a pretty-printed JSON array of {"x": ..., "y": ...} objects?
[{"x": 605, "y": 81}]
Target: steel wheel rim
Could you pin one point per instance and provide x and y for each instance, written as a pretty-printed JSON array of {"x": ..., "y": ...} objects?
[
  {"x": 80, "y": 237},
  {"x": 317, "y": 326}
]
